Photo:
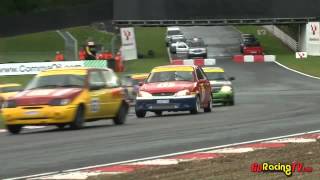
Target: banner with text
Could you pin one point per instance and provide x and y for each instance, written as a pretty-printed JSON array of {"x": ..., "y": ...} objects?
[
  {"x": 36, "y": 67},
  {"x": 313, "y": 38},
  {"x": 129, "y": 47}
]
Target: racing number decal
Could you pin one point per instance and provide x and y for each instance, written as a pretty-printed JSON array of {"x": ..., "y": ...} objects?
[
  {"x": 165, "y": 85},
  {"x": 95, "y": 105}
]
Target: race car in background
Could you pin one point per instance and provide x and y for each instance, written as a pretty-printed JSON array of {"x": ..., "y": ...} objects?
[
  {"x": 174, "y": 88},
  {"x": 131, "y": 84},
  {"x": 222, "y": 89},
  {"x": 8, "y": 90},
  {"x": 172, "y": 31},
  {"x": 174, "y": 41},
  {"x": 70, "y": 96},
  {"x": 197, "y": 48},
  {"x": 249, "y": 45}
]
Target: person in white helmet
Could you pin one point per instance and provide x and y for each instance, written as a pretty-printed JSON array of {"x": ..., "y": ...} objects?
[{"x": 91, "y": 51}]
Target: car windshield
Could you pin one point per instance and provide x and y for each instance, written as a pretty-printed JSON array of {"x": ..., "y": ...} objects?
[
  {"x": 196, "y": 44},
  {"x": 216, "y": 76},
  {"x": 252, "y": 44},
  {"x": 54, "y": 81},
  {"x": 174, "y": 40},
  {"x": 10, "y": 89},
  {"x": 166, "y": 76},
  {"x": 175, "y": 32}
]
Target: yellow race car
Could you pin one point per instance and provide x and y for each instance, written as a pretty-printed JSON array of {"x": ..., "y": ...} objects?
[
  {"x": 69, "y": 96},
  {"x": 8, "y": 90}
]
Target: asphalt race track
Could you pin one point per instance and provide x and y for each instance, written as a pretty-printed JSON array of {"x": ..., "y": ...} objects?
[{"x": 270, "y": 101}]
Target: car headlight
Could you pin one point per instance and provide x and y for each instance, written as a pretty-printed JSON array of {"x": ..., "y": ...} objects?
[
  {"x": 226, "y": 89},
  {"x": 60, "y": 102},
  {"x": 144, "y": 94},
  {"x": 182, "y": 93},
  {"x": 9, "y": 104}
]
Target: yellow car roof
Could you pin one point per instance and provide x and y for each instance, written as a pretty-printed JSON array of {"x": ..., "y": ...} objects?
[
  {"x": 140, "y": 76},
  {"x": 10, "y": 85},
  {"x": 187, "y": 68},
  {"x": 75, "y": 71},
  {"x": 213, "y": 69}
]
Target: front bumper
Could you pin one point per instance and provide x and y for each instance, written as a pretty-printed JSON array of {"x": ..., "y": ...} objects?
[
  {"x": 221, "y": 97},
  {"x": 197, "y": 55},
  {"x": 167, "y": 103},
  {"x": 40, "y": 115}
]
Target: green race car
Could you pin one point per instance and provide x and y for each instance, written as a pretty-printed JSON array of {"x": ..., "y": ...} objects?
[{"x": 222, "y": 89}]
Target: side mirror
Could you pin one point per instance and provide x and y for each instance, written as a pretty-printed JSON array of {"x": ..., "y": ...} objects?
[{"x": 232, "y": 78}]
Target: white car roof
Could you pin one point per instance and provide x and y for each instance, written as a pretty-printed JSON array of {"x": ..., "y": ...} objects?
[{"x": 173, "y": 29}]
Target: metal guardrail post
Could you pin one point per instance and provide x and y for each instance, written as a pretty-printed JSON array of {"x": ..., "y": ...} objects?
[{"x": 71, "y": 46}]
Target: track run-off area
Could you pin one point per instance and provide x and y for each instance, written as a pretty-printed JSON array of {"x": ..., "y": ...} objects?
[{"x": 269, "y": 101}]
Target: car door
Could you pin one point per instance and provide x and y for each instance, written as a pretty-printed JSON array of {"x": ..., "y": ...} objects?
[
  {"x": 114, "y": 93},
  {"x": 204, "y": 84},
  {"x": 207, "y": 85},
  {"x": 97, "y": 94}
]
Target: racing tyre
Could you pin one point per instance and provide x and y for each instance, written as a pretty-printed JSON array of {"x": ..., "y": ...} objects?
[
  {"x": 61, "y": 126},
  {"x": 158, "y": 113},
  {"x": 209, "y": 107},
  {"x": 196, "y": 108},
  {"x": 230, "y": 103},
  {"x": 14, "y": 129},
  {"x": 141, "y": 114},
  {"x": 122, "y": 115},
  {"x": 78, "y": 119}
]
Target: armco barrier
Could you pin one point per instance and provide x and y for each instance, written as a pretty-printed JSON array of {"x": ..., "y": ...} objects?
[
  {"x": 197, "y": 62},
  {"x": 254, "y": 58}
]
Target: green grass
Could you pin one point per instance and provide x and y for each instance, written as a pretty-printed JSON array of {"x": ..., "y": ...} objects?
[
  {"x": 23, "y": 80},
  {"x": 86, "y": 33},
  {"x": 285, "y": 56},
  {"x": 42, "y": 46}
]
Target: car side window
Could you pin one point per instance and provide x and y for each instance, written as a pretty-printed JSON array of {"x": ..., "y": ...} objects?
[
  {"x": 111, "y": 79},
  {"x": 199, "y": 74},
  {"x": 96, "y": 78}
]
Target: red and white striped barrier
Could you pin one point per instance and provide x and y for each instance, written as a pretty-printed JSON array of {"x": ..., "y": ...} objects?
[
  {"x": 197, "y": 62},
  {"x": 254, "y": 58}
]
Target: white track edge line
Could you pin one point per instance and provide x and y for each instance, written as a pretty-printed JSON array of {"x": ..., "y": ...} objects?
[
  {"x": 301, "y": 73},
  {"x": 169, "y": 155}
]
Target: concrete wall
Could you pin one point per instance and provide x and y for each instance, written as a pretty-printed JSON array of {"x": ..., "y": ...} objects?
[{"x": 213, "y": 9}]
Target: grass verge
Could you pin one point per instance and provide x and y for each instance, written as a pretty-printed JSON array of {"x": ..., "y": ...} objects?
[
  {"x": 233, "y": 166},
  {"x": 149, "y": 39},
  {"x": 285, "y": 56},
  {"x": 42, "y": 46}
]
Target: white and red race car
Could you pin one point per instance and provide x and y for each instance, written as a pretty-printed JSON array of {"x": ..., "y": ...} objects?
[{"x": 174, "y": 88}]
